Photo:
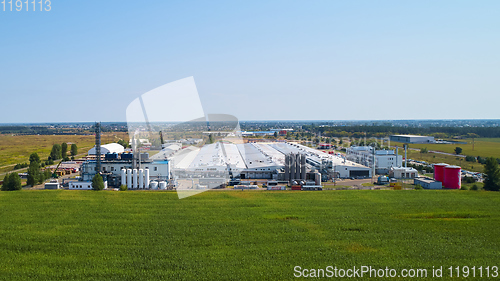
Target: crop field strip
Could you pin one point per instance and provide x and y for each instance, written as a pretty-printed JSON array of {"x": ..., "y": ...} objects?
[{"x": 60, "y": 235}]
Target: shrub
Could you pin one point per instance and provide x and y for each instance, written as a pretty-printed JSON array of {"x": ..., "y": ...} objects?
[
  {"x": 469, "y": 158},
  {"x": 11, "y": 182},
  {"x": 474, "y": 187},
  {"x": 468, "y": 180},
  {"x": 123, "y": 187},
  {"x": 418, "y": 187},
  {"x": 97, "y": 182},
  {"x": 464, "y": 187}
]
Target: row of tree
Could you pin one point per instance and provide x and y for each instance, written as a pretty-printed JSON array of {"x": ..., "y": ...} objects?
[
  {"x": 60, "y": 151},
  {"x": 382, "y": 131}
]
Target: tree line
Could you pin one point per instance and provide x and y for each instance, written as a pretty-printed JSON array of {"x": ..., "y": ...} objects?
[{"x": 383, "y": 131}]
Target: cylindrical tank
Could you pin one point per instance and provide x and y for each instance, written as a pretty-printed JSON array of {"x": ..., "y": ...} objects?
[
  {"x": 129, "y": 178},
  {"x": 452, "y": 177},
  {"x": 163, "y": 184},
  {"x": 317, "y": 179},
  {"x": 153, "y": 185},
  {"x": 439, "y": 172},
  {"x": 134, "y": 178},
  {"x": 124, "y": 176},
  {"x": 146, "y": 178},
  {"x": 141, "y": 178}
]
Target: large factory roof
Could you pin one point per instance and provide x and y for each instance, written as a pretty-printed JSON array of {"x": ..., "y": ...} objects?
[
  {"x": 108, "y": 148},
  {"x": 250, "y": 156}
]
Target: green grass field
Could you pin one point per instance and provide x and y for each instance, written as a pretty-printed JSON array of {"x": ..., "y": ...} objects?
[
  {"x": 17, "y": 149},
  {"x": 248, "y": 235},
  {"x": 484, "y": 147}
]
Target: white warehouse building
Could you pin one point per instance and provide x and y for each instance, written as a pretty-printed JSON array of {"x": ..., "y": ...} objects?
[
  {"x": 108, "y": 148},
  {"x": 412, "y": 139}
]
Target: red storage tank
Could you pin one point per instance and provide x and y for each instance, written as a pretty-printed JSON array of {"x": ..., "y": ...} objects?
[
  {"x": 439, "y": 172},
  {"x": 452, "y": 177}
]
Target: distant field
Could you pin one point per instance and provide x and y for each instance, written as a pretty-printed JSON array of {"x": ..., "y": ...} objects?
[
  {"x": 483, "y": 147},
  {"x": 247, "y": 235},
  {"x": 16, "y": 149}
]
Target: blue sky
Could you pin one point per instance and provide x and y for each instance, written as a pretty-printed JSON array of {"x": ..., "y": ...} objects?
[{"x": 257, "y": 60}]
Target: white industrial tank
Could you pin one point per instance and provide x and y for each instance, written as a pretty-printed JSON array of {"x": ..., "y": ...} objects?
[
  {"x": 141, "y": 178},
  {"x": 154, "y": 185},
  {"x": 134, "y": 178},
  {"x": 129, "y": 178},
  {"x": 163, "y": 185},
  {"x": 146, "y": 178},
  {"x": 124, "y": 176}
]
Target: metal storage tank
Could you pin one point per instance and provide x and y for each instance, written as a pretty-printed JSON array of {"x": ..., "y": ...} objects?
[
  {"x": 163, "y": 185},
  {"x": 317, "y": 178},
  {"x": 452, "y": 178},
  {"x": 154, "y": 185},
  {"x": 439, "y": 171},
  {"x": 146, "y": 178},
  {"x": 141, "y": 178},
  {"x": 124, "y": 176},
  {"x": 134, "y": 178},
  {"x": 129, "y": 178}
]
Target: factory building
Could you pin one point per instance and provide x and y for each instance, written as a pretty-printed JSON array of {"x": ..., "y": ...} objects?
[
  {"x": 412, "y": 139},
  {"x": 113, "y": 164},
  {"x": 258, "y": 161},
  {"x": 403, "y": 173},
  {"x": 384, "y": 159},
  {"x": 428, "y": 183}
]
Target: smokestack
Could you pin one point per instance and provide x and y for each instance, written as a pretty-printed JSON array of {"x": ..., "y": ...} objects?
[
  {"x": 98, "y": 146},
  {"x": 406, "y": 158}
]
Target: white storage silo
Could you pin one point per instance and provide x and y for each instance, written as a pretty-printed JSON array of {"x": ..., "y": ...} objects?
[
  {"x": 129, "y": 178},
  {"x": 154, "y": 185},
  {"x": 134, "y": 178},
  {"x": 141, "y": 178},
  {"x": 163, "y": 185},
  {"x": 124, "y": 176},
  {"x": 146, "y": 178}
]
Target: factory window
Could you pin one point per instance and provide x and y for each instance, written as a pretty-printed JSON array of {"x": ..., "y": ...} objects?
[{"x": 156, "y": 169}]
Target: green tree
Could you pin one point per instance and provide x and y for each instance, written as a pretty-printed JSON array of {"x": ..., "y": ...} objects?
[
  {"x": 74, "y": 150},
  {"x": 64, "y": 149},
  {"x": 123, "y": 143},
  {"x": 33, "y": 170},
  {"x": 492, "y": 172},
  {"x": 11, "y": 182},
  {"x": 275, "y": 134},
  {"x": 97, "y": 182},
  {"x": 55, "y": 154},
  {"x": 458, "y": 150}
]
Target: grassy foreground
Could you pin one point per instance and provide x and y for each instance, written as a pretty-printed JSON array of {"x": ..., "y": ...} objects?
[{"x": 50, "y": 235}]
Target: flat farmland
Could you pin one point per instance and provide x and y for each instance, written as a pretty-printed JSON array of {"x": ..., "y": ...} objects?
[
  {"x": 484, "y": 147},
  {"x": 241, "y": 235},
  {"x": 16, "y": 149}
]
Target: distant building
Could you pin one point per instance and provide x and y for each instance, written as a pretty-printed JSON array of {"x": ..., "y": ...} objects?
[
  {"x": 428, "y": 183},
  {"x": 403, "y": 173},
  {"x": 384, "y": 159},
  {"x": 412, "y": 139}
]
